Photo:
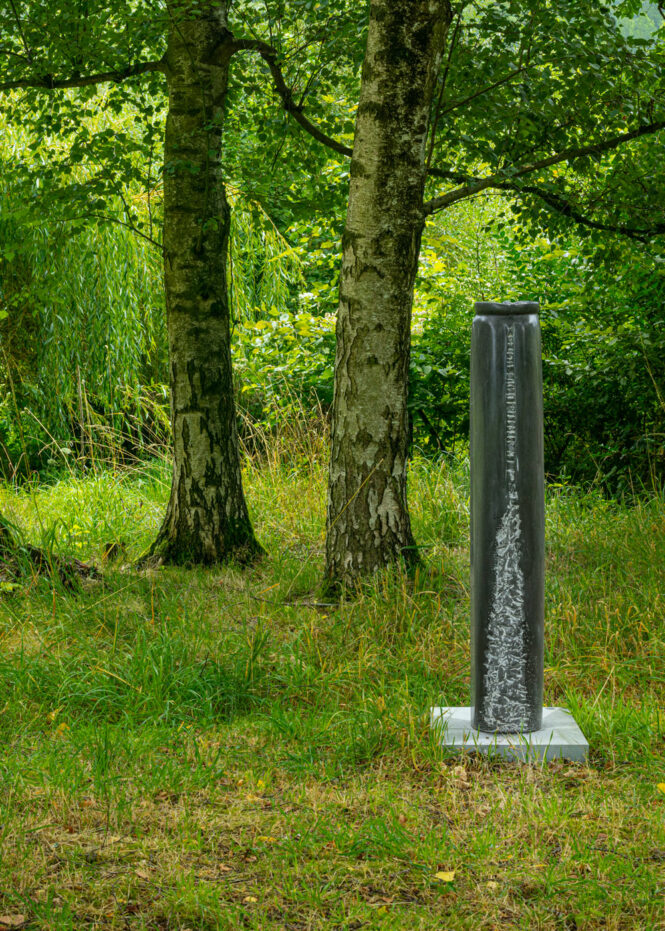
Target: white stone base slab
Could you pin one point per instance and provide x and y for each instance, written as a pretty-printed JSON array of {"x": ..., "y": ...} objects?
[{"x": 559, "y": 737}]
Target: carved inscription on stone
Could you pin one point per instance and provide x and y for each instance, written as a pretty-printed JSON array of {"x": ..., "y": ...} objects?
[{"x": 506, "y": 707}]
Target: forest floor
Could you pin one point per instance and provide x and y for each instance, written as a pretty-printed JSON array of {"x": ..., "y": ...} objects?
[{"x": 188, "y": 749}]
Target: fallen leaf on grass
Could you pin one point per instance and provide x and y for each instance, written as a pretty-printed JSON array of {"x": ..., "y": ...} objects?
[
  {"x": 661, "y": 787},
  {"x": 12, "y": 921},
  {"x": 492, "y": 886},
  {"x": 223, "y": 868},
  {"x": 445, "y": 877},
  {"x": 142, "y": 874},
  {"x": 250, "y": 898}
]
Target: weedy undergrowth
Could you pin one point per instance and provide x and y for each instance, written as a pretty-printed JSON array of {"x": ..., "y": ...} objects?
[{"x": 220, "y": 749}]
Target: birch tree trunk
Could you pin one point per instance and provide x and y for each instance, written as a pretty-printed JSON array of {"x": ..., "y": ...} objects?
[
  {"x": 206, "y": 520},
  {"x": 368, "y": 523}
]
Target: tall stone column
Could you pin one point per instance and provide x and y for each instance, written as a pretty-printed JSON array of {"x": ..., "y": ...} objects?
[
  {"x": 507, "y": 519},
  {"x": 506, "y": 715}
]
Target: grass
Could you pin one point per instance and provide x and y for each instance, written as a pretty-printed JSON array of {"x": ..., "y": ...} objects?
[{"x": 187, "y": 749}]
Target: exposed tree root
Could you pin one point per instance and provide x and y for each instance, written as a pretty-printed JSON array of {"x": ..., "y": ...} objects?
[
  {"x": 165, "y": 552},
  {"x": 18, "y": 558}
]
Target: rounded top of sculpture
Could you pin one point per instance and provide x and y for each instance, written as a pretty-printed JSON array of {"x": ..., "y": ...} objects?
[{"x": 506, "y": 308}]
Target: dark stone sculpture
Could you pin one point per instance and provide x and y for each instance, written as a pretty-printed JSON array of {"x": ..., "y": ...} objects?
[{"x": 507, "y": 519}]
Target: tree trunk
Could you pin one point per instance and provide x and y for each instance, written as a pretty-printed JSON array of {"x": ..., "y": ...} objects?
[
  {"x": 206, "y": 520},
  {"x": 368, "y": 523}
]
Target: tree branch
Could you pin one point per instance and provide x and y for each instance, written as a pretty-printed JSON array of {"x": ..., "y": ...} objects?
[
  {"x": 24, "y": 40},
  {"x": 269, "y": 55},
  {"x": 7, "y": 51},
  {"x": 49, "y": 82},
  {"x": 109, "y": 219},
  {"x": 559, "y": 203},
  {"x": 564, "y": 207},
  {"x": 456, "y": 104},
  {"x": 470, "y": 188}
]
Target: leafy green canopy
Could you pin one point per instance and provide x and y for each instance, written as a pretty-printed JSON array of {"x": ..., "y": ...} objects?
[
  {"x": 84, "y": 105},
  {"x": 65, "y": 41},
  {"x": 528, "y": 88},
  {"x": 119, "y": 48},
  {"x": 555, "y": 105}
]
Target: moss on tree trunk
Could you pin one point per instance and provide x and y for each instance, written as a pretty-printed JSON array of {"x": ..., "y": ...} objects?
[
  {"x": 206, "y": 520},
  {"x": 368, "y": 523}
]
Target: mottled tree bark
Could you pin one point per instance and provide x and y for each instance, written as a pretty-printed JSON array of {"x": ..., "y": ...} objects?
[
  {"x": 368, "y": 523},
  {"x": 206, "y": 520}
]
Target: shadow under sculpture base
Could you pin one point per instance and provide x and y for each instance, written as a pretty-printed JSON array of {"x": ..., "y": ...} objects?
[
  {"x": 506, "y": 714},
  {"x": 559, "y": 737}
]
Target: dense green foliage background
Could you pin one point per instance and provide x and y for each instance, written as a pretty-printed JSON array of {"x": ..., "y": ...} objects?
[
  {"x": 84, "y": 346},
  {"x": 83, "y": 358}
]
